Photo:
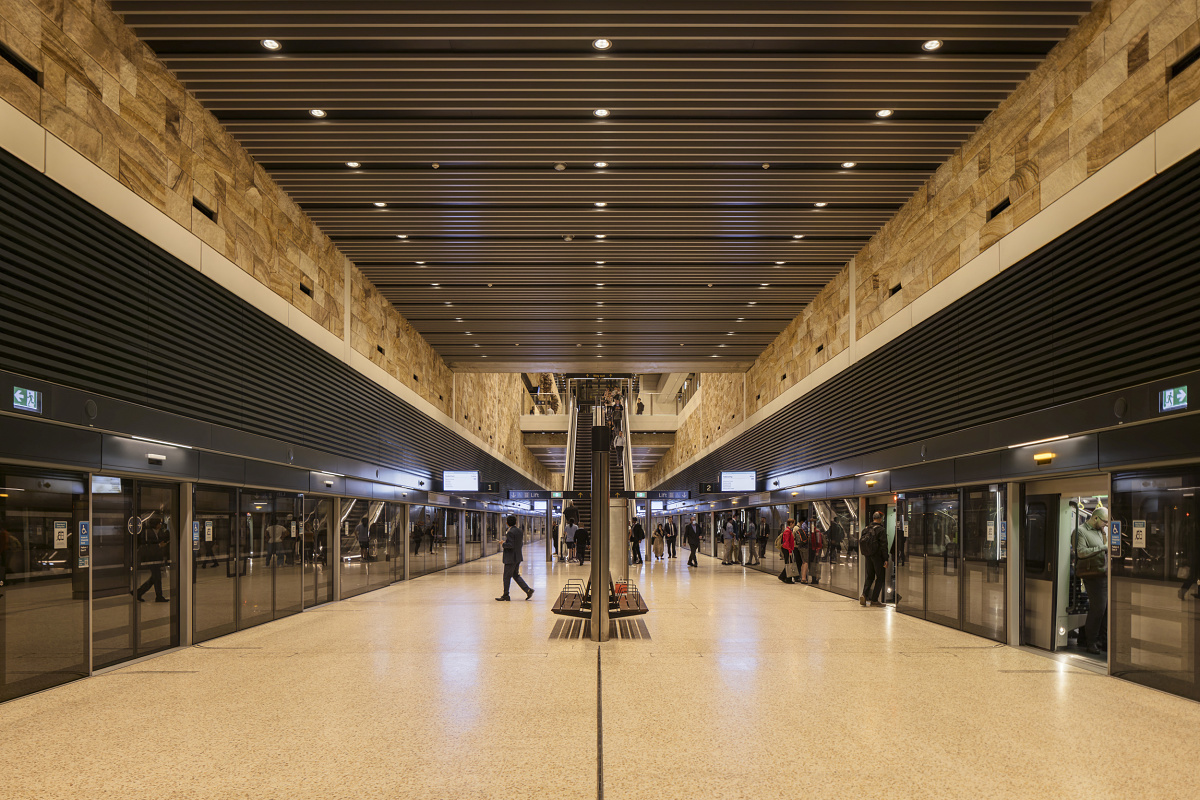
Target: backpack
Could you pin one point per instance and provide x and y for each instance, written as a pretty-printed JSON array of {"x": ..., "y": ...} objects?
[{"x": 868, "y": 543}]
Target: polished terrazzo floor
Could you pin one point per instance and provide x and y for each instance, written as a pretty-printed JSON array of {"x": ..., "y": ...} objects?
[{"x": 747, "y": 689}]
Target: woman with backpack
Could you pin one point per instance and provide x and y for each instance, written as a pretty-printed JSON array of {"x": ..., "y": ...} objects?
[{"x": 787, "y": 545}]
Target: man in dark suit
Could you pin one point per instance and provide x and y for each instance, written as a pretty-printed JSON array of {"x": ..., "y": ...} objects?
[
  {"x": 691, "y": 535},
  {"x": 512, "y": 559}
]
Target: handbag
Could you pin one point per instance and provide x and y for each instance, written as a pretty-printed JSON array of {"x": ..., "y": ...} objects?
[
  {"x": 792, "y": 570},
  {"x": 1091, "y": 566}
]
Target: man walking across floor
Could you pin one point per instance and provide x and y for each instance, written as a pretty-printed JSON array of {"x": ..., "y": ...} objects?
[
  {"x": 512, "y": 559},
  {"x": 669, "y": 535},
  {"x": 691, "y": 536},
  {"x": 872, "y": 544}
]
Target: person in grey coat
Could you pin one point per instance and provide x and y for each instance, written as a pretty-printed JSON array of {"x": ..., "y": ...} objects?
[{"x": 512, "y": 559}]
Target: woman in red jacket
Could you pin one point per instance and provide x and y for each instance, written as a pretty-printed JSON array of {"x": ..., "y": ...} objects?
[{"x": 787, "y": 543}]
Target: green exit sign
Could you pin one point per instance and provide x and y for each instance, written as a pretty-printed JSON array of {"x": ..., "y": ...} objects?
[
  {"x": 27, "y": 400},
  {"x": 1173, "y": 399}
]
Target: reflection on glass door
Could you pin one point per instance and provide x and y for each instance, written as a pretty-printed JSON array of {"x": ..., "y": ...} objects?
[
  {"x": 985, "y": 560},
  {"x": 316, "y": 526},
  {"x": 354, "y": 530},
  {"x": 43, "y": 588},
  {"x": 135, "y": 580},
  {"x": 839, "y": 560},
  {"x": 472, "y": 522},
  {"x": 427, "y": 539},
  {"x": 214, "y": 562},
  {"x": 271, "y": 577},
  {"x": 928, "y": 572},
  {"x": 1156, "y": 602}
]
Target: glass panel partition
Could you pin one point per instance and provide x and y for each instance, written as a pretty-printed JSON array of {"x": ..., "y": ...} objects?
[
  {"x": 472, "y": 522},
  {"x": 839, "y": 560},
  {"x": 1155, "y": 600},
  {"x": 135, "y": 568},
  {"x": 317, "y": 525},
  {"x": 985, "y": 561},
  {"x": 43, "y": 589},
  {"x": 214, "y": 564}
]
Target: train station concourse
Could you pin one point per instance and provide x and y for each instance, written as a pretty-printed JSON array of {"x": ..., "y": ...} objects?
[{"x": 676, "y": 399}]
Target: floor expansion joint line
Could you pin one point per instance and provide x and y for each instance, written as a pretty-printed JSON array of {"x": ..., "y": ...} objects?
[{"x": 599, "y": 730}]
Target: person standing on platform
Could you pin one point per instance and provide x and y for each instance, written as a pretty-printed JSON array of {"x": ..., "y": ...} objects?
[
  {"x": 751, "y": 543},
  {"x": 670, "y": 534},
  {"x": 729, "y": 535},
  {"x": 691, "y": 535},
  {"x": 636, "y": 535},
  {"x": 874, "y": 546},
  {"x": 787, "y": 546},
  {"x": 1090, "y": 543},
  {"x": 656, "y": 542},
  {"x": 569, "y": 532},
  {"x": 512, "y": 559},
  {"x": 640, "y": 407}
]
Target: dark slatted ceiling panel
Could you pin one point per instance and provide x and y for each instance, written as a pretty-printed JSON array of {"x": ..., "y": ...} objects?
[
  {"x": 1109, "y": 305},
  {"x": 87, "y": 303},
  {"x": 701, "y": 95}
]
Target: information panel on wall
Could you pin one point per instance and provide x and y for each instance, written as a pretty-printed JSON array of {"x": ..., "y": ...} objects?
[
  {"x": 739, "y": 481},
  {"x": 460, "y": 481}
]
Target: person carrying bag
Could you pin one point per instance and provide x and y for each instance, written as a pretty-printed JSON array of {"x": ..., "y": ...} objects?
[{"x": 787, "y": 545}]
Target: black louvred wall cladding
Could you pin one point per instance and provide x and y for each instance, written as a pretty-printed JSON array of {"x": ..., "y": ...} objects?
[
  {"x": 87, "y": 303},
  {"x": 1110, "y": 304}
]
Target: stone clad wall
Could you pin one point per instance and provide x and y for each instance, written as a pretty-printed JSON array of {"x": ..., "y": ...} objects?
[
  {"x": 1098, "y": 93},
  {"x": 406, "y": 356},
  {"x": 793, "y": 355},
  {"x": 489, "y": 406},
  {"x": 107, "y": 96},
  {"x": 721, "y": 403}
]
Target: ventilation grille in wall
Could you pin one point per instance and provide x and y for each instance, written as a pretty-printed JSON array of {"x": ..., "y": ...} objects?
[
  {"x": 1107, "y": 305},
  {"x": 134, "y": 323}
]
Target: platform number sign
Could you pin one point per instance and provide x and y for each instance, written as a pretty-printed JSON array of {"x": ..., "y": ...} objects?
[
  {"x": 1172, "y": 399},
  {"x": 27, "y": 400}
]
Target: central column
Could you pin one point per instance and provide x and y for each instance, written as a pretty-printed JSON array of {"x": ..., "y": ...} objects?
[{"x": 601, "y": 439}]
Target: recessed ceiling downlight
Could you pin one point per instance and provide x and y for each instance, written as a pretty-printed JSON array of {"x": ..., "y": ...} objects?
[
  {"x": 602, "y": 44},
  {"x": 271, "y": 44},
  {"x": 849, "y": 164},
  {"x": 601, "y": 164},
  {"x": 353, "y": 164},
  {"x": 600, "y": 112},
  {"x": 316, "y": 112},
  {"x": 884, "y": 112},
  {"x": 931, "y": 45}
]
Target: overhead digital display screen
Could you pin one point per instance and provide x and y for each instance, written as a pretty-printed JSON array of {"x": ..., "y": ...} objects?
[
  {"x": 460, "y": 481},
  {"x": 738, "y": 481},
  {"x": 102, "y": 484}
]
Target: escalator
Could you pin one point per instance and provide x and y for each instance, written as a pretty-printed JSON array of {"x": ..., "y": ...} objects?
[{"x": 580, "y": 476}]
